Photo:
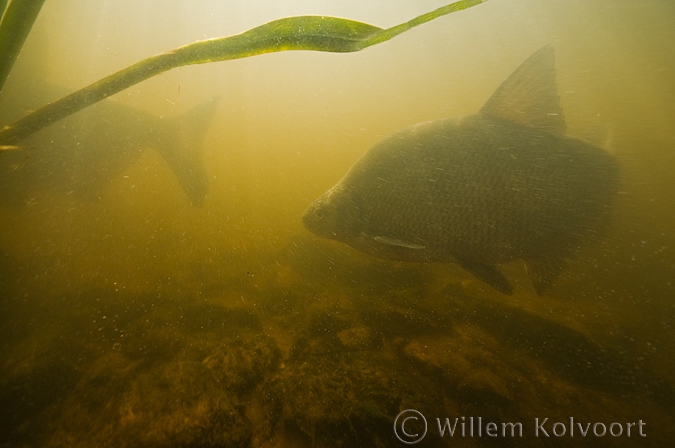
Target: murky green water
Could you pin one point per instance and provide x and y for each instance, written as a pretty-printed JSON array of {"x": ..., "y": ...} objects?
[{"x": 130, "y": 317}]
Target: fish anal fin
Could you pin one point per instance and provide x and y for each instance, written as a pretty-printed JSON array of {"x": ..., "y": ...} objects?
[
  {"x": 489, "y": 274},
  {"x": 529, "y": 96},
  {"x": 543, "y": 270}
]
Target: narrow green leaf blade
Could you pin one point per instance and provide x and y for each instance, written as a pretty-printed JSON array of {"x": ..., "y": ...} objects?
[
  {"x": 17, "y": 22},
  {"x": 314, "y": 33}
]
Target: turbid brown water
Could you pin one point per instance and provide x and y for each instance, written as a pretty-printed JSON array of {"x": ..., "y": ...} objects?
[{"x": 140, "y": 320}]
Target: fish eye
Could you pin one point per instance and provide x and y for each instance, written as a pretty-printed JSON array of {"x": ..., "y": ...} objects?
[{"x": 319, "y": 213}]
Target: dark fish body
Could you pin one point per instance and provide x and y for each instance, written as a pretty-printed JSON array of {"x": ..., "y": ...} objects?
[{"x": 499, "y": 185}]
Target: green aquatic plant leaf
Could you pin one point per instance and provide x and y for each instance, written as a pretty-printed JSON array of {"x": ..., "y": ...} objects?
[
  {"x": 17, "y": 21},
  {"x": 3, "y": 6},
  {"x": 314, "y": 33}
]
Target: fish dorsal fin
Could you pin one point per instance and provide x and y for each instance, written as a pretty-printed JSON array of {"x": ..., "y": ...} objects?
[{"x": 529, "y": 96}]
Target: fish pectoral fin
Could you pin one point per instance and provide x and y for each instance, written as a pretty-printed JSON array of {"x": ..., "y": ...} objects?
[
  {"x": 542, "y": 271},
  {"x": 489, "y": 274},
  {"x": 396, "y": 242}
]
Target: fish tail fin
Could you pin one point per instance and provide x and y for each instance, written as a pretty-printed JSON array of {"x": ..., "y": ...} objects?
[{"x": 182, "y": 148}]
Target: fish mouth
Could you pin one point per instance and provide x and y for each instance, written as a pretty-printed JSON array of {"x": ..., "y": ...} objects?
[
  {"x": 308, "y": 218},
  {"x": 312, "y": 222},
  {"x": 334, "y": 215},
  {"x": 317, "y": 220}
]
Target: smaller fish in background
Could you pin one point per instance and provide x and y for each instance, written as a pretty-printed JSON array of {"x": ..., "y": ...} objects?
[
  {"x": 500, "y": 185},
  {"x": 84, "y": 153}
]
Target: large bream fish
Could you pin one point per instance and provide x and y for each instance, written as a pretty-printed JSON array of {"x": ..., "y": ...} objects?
[{"x": 489, "y": 188}]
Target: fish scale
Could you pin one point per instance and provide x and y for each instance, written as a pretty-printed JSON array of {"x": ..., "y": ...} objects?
[{"x": 489, "y": 188}]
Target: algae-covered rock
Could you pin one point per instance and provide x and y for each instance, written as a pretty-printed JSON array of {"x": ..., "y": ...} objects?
[
  {"x": 345, "y": 398},
  {"x": 286, "y": 357},
  {"x": 184, "y": 402}
]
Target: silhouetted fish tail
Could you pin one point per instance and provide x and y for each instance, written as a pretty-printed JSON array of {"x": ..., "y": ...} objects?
[{"x": 182, "y": 148}]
